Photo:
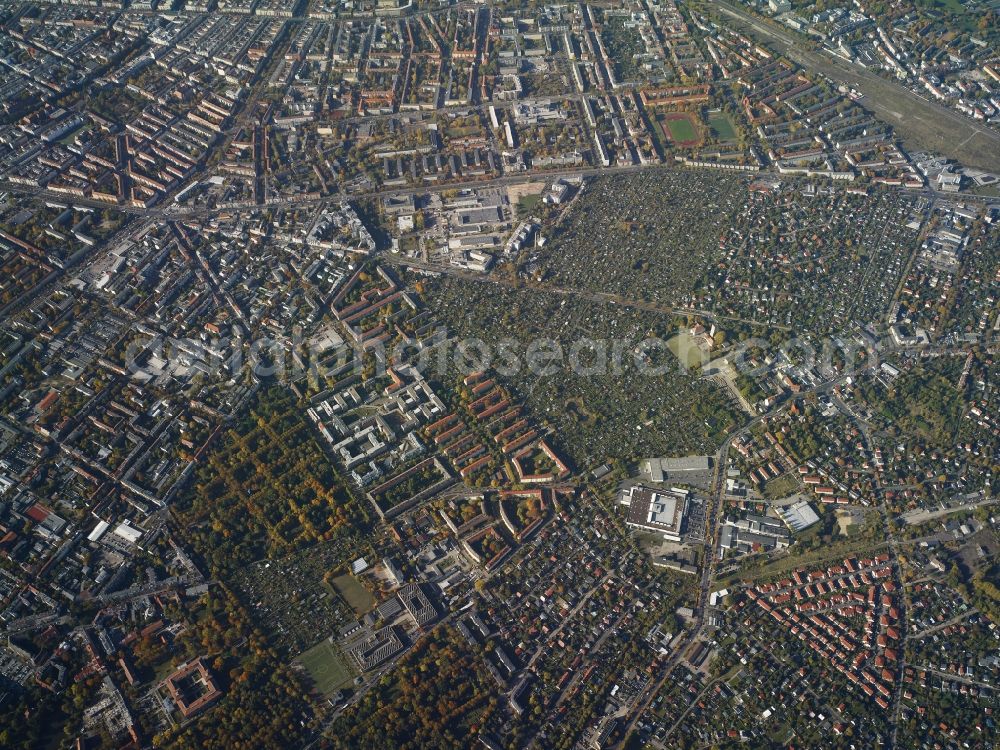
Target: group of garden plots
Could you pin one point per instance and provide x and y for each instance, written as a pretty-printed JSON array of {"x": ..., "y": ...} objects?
[
  {"x": 849, "y": 614},
  {"x": 290, "y": 599},
  {"x": 631, "y": 402},
  {"x": 816, "y": 263},
  {"x": 943, "y": 711},
  {"x": 649, "y": 236},
  {"x": 962, "y": 647},
  {"x": 979, "y": 434}
]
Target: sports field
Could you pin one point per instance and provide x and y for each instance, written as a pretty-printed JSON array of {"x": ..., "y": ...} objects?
[
  {"x": 722, "y": 128},
  {"x": 680, "y": 129},
  {"x": 328, "y": 670}
]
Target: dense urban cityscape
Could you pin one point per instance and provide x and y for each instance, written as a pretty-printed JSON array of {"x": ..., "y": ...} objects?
[{"x": 500, "y": 374}]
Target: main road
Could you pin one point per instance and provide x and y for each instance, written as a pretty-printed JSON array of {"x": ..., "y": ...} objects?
[
  {"x": 713, "y": 521},
  {"x": 713, "y": 517}
]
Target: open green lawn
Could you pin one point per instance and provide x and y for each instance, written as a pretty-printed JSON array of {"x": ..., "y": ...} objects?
[
  {"x": 327, "y": 668},
  {"x": 990, "y": 191},
  {"x": 356, "y": 595},
  {"x": 722, "y": 128},
  {"x": 681, "y": 130},
  {"x": 782, "y": 486},
  {"x": 71, "y": 135},
  {"x": 528, "y": 204},
  {"x": 954, "y": 7}
]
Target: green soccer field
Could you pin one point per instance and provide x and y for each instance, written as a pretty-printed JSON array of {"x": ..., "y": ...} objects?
[
  {"x": 722, "y": 128},
  {"x": 681, "y": 130},
  {"x": 326, "y": 667}
]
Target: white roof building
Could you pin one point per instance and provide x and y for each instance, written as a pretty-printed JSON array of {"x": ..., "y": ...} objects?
[
  {"x": 798, "y": 516},
  {"x": 130, "y": 534},
  {"x": 98, "y": 532}
]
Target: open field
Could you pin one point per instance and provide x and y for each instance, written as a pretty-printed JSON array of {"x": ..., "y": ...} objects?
[
  {"x": 326, "y": 667},
  {"x": 782, "y": 486},
  {"x": 527, "y": 190},
  {"x": 525, "y": 197},
  {"x": 356, "y": 595},
  {"x": 687, "y": 351},
  {"x": 527, "y": 205},
  {"x": 762, "y": 568}
]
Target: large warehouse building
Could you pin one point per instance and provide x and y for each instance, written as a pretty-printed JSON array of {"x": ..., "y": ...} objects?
[{"x": 661, "y": 511}]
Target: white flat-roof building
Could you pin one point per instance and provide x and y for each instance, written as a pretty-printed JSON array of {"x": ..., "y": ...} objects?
[{"x": 130, "y": 534}]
